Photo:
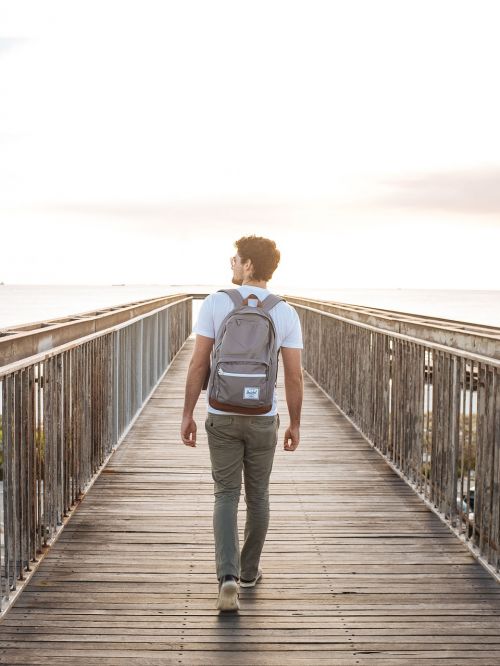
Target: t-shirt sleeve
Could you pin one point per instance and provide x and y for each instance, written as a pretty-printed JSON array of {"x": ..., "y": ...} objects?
[
  {"x": 205, "y": 322},
  {"x": 293, "y": 337}
]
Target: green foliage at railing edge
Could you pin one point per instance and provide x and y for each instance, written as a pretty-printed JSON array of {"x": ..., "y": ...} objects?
[
  {"x": 39, "y": 443},
  {"x": 469, "y": 462}
]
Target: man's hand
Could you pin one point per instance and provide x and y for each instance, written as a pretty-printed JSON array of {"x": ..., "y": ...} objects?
[
  {"x": 292, "y": 438},
  {"x": 188, "y": 431}
]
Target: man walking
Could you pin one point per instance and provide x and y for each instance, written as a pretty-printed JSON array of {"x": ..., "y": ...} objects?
[{"x": 243, "y": 441}]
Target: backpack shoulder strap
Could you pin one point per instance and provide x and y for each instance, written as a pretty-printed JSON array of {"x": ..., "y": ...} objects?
[
  {"x": 270, "y": 301},
  {"x": 234, "y": 295}
]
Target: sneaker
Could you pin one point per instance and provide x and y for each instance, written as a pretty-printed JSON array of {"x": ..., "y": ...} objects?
[
  {"x": 253, "y": 582},
  {"x": 228, "y": 594}
]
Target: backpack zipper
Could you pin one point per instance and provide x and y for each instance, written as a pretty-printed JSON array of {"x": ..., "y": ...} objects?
[{"x": 220, "y": 371}]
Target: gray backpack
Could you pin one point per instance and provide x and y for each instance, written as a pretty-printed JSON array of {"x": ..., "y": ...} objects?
[{"x": 244, "y": 362}]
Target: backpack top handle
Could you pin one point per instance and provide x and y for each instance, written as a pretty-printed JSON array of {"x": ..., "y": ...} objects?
[{"x": 267, "y": 304}]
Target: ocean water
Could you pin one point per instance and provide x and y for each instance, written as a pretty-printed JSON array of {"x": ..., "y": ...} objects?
[
  {"x": 471, "y": 306},
  {"x": 21, "y": 304}
]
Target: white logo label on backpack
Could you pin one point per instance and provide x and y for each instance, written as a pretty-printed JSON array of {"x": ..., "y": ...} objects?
[{"x": 251, "y": 393}]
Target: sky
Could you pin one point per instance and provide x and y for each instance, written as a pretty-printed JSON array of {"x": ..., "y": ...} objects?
[{"x": 139, "y": 139}]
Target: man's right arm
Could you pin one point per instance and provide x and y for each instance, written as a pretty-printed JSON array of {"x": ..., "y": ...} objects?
[
  {"x": 294, "y": 391},
  {"x": 198, "y": 367}
]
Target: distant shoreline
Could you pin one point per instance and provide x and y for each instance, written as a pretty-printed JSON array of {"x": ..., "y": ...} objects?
[{"x": 22, "y": 304}]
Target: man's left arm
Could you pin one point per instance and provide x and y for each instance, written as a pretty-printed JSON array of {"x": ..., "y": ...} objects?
[
  {"x": 198, "y": 368},
  {"x": 294, "y": 391}
]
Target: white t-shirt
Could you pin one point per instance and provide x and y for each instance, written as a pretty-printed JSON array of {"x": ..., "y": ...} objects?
[{"x": 218, "y": 305}]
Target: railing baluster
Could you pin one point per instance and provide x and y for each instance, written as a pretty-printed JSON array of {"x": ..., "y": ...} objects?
[
  {"x": 417, "y": 401},
  {"x": 63, "y": 413},
  {"x": 496, "y": 475}
]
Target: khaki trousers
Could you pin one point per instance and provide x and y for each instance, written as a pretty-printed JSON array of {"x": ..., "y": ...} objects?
[{"x": 240, "y": 444}]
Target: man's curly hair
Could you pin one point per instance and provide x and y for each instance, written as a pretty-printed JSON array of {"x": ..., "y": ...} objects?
[{"x": 263, "y": 254}]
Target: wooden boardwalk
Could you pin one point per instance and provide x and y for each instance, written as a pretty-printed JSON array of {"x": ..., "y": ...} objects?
[{"x": 356, "y": 569}]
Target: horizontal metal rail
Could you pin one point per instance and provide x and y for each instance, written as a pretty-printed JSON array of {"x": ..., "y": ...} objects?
[
  {"x": 19, "y": 342},
  {"x": 398, "y": 316},
  {"x": 463, "y": 336},
  {"x": 63, "y": 413},
  {"x": 433, "y": 411}
]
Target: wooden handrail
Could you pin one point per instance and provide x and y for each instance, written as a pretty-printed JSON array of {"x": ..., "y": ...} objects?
[
  {"x": 64, "y": 412},
  {"x": 432, "y": 410}
]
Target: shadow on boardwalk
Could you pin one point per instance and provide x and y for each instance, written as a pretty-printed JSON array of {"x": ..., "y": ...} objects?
[{"x": 356, "y": 569}]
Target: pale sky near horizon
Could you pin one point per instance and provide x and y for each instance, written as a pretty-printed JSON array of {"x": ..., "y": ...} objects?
[{"x": 138, "y": 139}]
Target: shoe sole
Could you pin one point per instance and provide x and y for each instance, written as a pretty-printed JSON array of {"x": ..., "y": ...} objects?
[
  {"x": 252, "y": 583},
  {"x": 228, "y": 597}
]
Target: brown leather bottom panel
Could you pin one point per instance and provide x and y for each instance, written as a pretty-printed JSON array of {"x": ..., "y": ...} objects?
[{"x": 239, "y": 410}]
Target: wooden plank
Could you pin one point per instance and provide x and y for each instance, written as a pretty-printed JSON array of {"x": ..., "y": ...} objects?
[{"x": 356, "y": 569}]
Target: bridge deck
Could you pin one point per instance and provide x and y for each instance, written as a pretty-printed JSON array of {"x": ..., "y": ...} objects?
[{"x": 356, "y": 569}]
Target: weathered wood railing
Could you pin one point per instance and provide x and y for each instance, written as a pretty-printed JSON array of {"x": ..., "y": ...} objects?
[
  {"x": 63, "y": 413},
  {"x": 432, "y": 410}
]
